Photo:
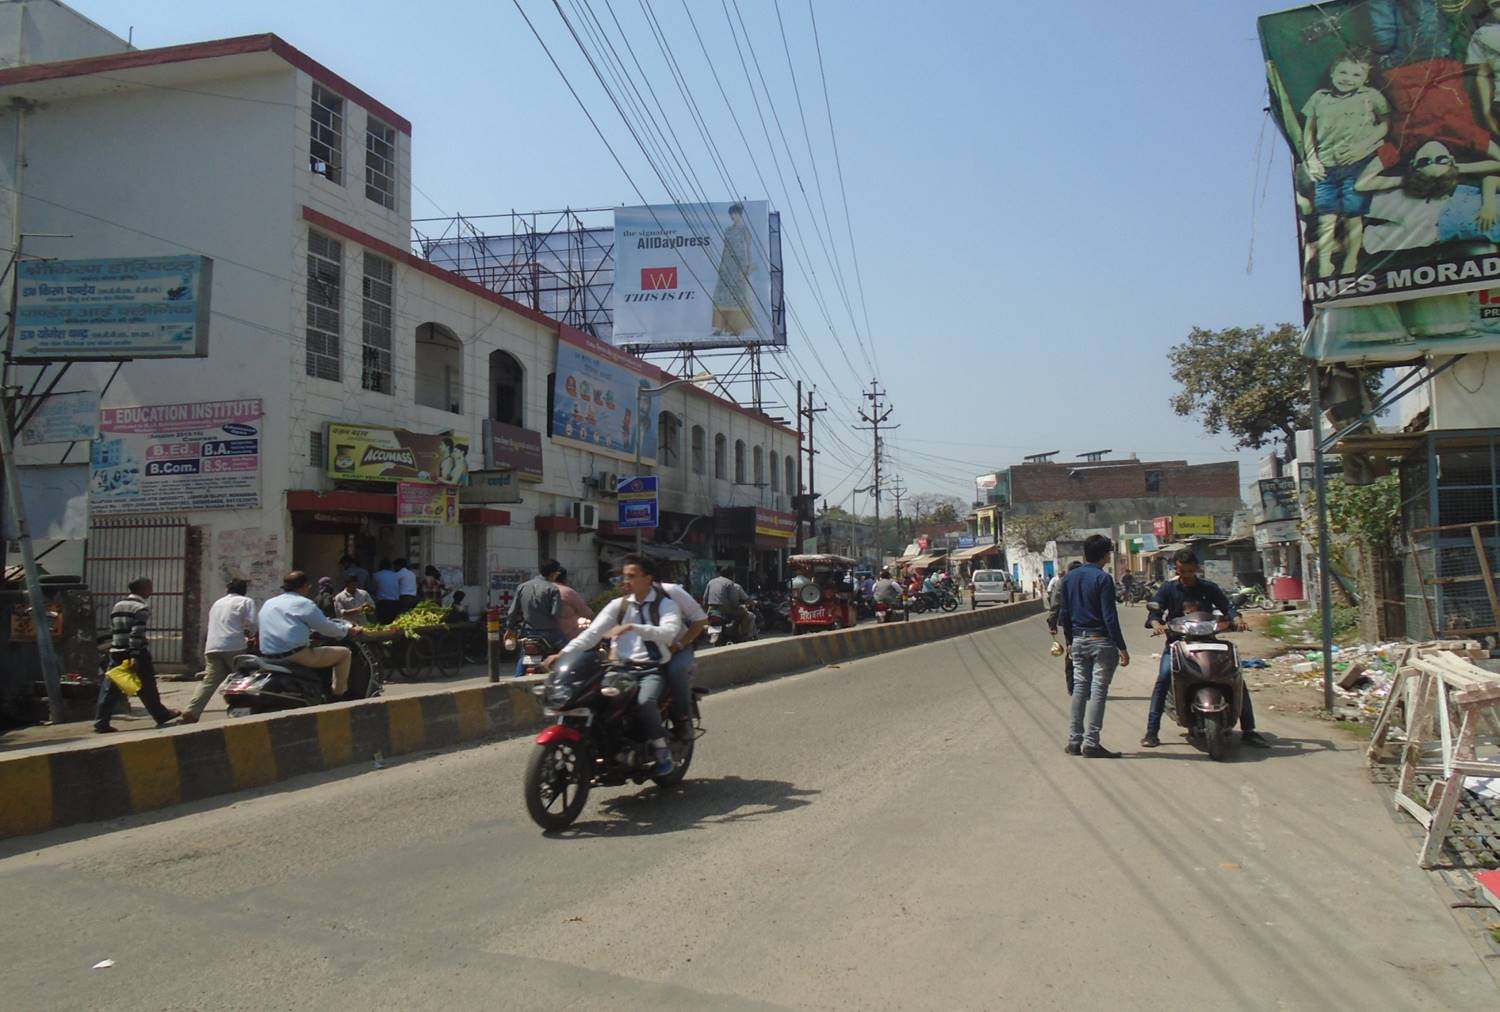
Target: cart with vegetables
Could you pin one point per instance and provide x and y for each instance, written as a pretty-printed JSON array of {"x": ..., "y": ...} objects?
[{"x": 420, "y": 644}]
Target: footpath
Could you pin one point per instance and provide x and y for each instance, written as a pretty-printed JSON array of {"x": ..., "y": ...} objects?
[{"x": 64, "y": 775}]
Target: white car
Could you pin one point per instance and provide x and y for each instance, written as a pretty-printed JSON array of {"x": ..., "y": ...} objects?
[{"x": 991, "y": 586}]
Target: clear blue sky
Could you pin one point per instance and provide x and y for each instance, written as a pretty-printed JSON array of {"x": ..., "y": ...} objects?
[{"x": 1045, "y": 196}]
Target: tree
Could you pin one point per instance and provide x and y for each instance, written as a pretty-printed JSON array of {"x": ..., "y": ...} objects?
[
  {"x": 927, "y": 508},
  {"x": 1033, "y": 532}
]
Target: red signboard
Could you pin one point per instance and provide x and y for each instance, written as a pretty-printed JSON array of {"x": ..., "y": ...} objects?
[
  {"x": 656, "y": 278},
  {"x": 1162, "y": 528}
]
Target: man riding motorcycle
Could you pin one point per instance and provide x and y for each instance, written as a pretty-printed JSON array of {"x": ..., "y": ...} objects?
[
  {"x": 723, "y": 593},
  {"x": 643, "y": 626},
  {"x": 1184, "y": 596},
  {"x": 680, "y": 668},
  {"x": 886, "y": 589}
]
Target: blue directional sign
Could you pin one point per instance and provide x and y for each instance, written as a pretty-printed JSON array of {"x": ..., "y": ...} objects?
[{"x": 638, "y": 502}]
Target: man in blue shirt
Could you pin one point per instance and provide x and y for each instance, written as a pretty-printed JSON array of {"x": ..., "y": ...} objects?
[
  {"x": 1092, "y": 627},
  {"x": 287, "y": 622},
  {"x": 387, "y": 593}
]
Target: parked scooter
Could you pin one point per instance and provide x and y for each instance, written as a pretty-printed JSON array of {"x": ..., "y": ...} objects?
[
  {"x": 1208, "y": 688},
  {"x": 1251, "y": 597},
  {"x": 261, "y": 686}
]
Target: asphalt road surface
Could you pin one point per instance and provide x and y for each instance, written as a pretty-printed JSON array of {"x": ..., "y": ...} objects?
[{"x": 899, "y": 832}]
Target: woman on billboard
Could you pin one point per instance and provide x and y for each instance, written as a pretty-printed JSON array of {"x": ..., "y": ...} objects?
[{"x": 732, "y": 294}]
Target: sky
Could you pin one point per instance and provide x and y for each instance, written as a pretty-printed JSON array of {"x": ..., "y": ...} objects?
[{"x": 1043, "y": 197}]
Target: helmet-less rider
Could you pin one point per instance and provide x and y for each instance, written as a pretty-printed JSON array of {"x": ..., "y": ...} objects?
[{"x": 643, "y": 625}]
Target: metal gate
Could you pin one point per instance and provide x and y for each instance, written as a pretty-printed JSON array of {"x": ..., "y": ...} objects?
[{"x": 156, "y": 547}]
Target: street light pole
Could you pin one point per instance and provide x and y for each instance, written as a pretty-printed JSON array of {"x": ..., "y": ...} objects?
[{"x": 641, "y": 394}]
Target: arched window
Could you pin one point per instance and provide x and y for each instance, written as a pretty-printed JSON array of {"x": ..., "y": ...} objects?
[
  {"x": 698, "y": 449},
  {"x": 668, "y": 440},
  {"x": 775, "y": 472},
  {"x": 759, "y": 457},
  {"x": 440, "y": 368},
  {"x": 739, "y": 462},
  {"x": 719, "y": 462},
  {"x": 791, "y": 476},
  {"x": 506, "y": 400}
]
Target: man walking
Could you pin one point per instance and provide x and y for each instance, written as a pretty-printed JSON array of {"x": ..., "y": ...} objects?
[
  {"x": 1090, "y": 622},
  {"x": 537, "y": 611},
  {"x": 287, "y": 623},
  {"x": 231, "y": 622},
  {"x": 128, "y": 622}
]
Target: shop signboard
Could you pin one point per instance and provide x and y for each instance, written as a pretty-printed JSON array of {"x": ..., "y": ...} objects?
[
  {"x": 112, "y": 309},
  {"x": 966, "y": 541},
  {"x": 487, "y": 487},
  {"x": 594, "y": 398},
  {"x": 56, "y": 497},
  {"x": 1307, "y": 473},
  {"x": 71, "y": 417},
  {"x": 1192, "y": 525},
  {"x": 504, "y": 581},
  {"x": 426, "y": 504},
  {"x": 637, "y": 502},
  {"x": 772, "y": 524},
  {"x": 1276, "y": 532},
  {"x": 1162, "y": 528},
  {"x": 1278, "y": 499},
  {"x": 377, "y": 453},
  {"x": 512, "y": 448},
  {"x": 173, "y": 458},
  {"x": 693, "y": 274}
]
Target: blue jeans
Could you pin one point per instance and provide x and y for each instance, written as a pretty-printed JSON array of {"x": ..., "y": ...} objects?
[
  {"x": 648, "y": 705},
  {"x": 680, "y": 678},
  {"x": 1164, "y": 685},
  {"x": 1094, "y": 662}
]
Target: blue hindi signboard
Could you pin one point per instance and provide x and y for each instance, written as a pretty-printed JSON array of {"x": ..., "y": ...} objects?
[
  {"x": 638, "y": 502},
  {"x": 966, "y": 541}
]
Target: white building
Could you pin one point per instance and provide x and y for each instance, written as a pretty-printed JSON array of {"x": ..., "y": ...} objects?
[{"x": 297, "y": 185}]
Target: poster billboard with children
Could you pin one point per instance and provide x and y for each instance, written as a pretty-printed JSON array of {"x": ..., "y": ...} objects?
[
  {"x": 1390, "y": 109},
  {"x": 594, "y": 398}
]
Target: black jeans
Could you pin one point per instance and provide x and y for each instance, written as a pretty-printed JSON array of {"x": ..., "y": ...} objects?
[{"x": 110, "y": 694}]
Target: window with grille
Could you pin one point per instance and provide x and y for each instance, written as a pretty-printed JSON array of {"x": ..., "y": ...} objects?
[
  {"x": 324, "y": 292},
  {"x": 326, "y": 143},
  {"x": 719, "y": 465},
  {"x": 315, "y": 455},
  {"x": 380, "y": 163},
  {"x": 699, "y": 451},
  {"x": 379, "y": 292},
  {"x": 1153, "y": 482},
  {"x": 668, "y": 439},
  {"x": 474, "y": 555}
]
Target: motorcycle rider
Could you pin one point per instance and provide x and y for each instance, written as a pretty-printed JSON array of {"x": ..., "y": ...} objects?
[
  {"x": 287, "y": 622},
  {"x": 723, "y": 593},
  {"x": 643, "y": 627},
  {"x": 886, "y": 589},
  {"x": 1184, "y": 596},
  {"x": 537, "y": 611},
  {"x": 680, "y": 668}
]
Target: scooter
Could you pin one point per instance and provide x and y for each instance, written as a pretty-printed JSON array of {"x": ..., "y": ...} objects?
[
  {"x": 259, "y": 685},
  {"x": 723, "y": 626},
  {"x": 1208, "y": 688},
  {"x": 887, "y": 611}
]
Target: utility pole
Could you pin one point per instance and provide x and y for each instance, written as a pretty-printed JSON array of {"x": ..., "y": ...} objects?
[
  {"x": 897, "y": 491},
  {"x": 876, "y": 418},
  {"x": 809, "y": 414}
]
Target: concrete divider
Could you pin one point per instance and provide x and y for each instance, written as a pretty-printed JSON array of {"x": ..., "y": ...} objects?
[{"x": 45, "y": 790}]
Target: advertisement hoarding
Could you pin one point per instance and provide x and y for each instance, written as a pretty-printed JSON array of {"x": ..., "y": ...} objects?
[
  {"x": 1379, "y": 102},
  {"x": 1184, "y": 526},
  {"x": 773, "y": 524},
  {"x": 426, "y": 504},
  {"x": 71, "y": 417},
  {"x": 1278, "y": 499},
  {"x": 1277, "y": 532},
  {"x": 594, "y": 398},
  {"x": 486, "y": 487},
  {"x": 693, "y": 274},
  {"x": 56, "y": 499},
  {"x": 512, "y": 448},
  {"x": 377, "y": 453},
  {"x": 112, "y": 309},
  {"x": 168, "y": 458},
  {"x": 637, "y": 502}
]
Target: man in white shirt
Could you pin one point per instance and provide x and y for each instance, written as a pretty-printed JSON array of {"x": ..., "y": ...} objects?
[
  {"x": 643, "y": 626},
  {"x": 231, "y": 623},
  {"x": 406, "y": 586},
  {"x": 349, "y": 604},
  {"x": 680, "y": 667}
]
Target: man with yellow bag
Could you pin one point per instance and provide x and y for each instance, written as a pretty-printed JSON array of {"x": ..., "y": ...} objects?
[{"x": 128, "y": 621}]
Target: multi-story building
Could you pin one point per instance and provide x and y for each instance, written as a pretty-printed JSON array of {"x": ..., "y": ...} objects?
[{"x": 297, "y": 185}]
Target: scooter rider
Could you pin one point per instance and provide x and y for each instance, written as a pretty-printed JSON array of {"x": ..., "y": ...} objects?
[
  {"x": 537, "y": 611},
  {"x": 1184, "y": 596},
  {"x": 287, "y": 622},
  {"x": 886, "y": 589},
  {"x": 722, "y": 592},
  {"x": 643, "y": 626}
]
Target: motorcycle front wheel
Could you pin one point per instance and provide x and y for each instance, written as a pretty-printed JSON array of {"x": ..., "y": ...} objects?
[
  {"x": 557, "y": 783},
  {"x": 1216, "y": 737},
  {"x": 950, "y": 604}
]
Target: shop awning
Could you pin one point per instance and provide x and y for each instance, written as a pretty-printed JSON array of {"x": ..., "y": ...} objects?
[
  {"x": 923, "y": 561},
  {"x": 965, "y": 554},
  {"x": 1167, "y": 549},
  {"x": 309, "y": 500},
  {"x": 650, "y": 549}
]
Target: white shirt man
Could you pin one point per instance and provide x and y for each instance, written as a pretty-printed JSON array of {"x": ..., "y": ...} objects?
[
  {"x": 349, "y": 604},
  {"x": 231, "y": 622}
]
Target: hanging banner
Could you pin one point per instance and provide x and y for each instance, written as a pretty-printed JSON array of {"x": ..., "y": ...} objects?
[
  {"x": 118, "y": 308},
  {"x": 594, "y": 398},
  {"x": 71, "y": 417},
  {"x": 56, "y": 499},
  {"x": 377, "y": 453},
  {"x": 426, "y": 504},
  {"x": 695, "y": 274},
  {"x": 171, "y": 458},
  {"x": 1388, "y": 108}
]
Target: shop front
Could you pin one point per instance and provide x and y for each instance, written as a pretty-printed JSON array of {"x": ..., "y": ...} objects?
[
  {"x": 755, "y": 540},
  {"x": 967, "y": 560}
]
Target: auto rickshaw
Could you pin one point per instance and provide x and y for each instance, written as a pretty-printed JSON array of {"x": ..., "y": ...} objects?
[{"x": 821, "y": 597}]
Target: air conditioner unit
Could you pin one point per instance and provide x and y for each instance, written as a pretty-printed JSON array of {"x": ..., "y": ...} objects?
[
  {"x": 592, "y": 481},
  {"x": 611, "y": 482},
  {"x": 587, "y": 515}
]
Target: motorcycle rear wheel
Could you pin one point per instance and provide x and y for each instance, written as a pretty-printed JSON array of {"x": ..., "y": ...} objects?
[
  {"x": 1216, "y": 737},
  {"x": 682, "y": 758},
  {"x": 550, "y": 772},
  {"x": 950, "y": 604}
]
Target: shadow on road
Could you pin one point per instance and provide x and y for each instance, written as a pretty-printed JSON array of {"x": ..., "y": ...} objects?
[
  {"x": 690, "y": 805},
  {"x": 1281, "y": 748}
]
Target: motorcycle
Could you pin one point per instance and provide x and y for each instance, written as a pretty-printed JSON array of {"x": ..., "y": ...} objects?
[
  {"x": 1207, "y": 688},
  {"x": 1251, "y": 597},
  {"x": 773, "y": 612},
  {"x": 258, "y": 685},
  {"x": 723, "y": 626},
  {"x": 888, "y": 611},
  {"x": 597, "y": 739}
]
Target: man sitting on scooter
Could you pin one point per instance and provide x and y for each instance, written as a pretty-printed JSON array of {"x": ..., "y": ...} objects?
[
  {"x": 730, "y": 598},
  {"x": 643, "y": 626},
  {"x": 886, "y": 589},
  {"x": 287, "y": 622},
  {"x": 1184, "y": 596}
]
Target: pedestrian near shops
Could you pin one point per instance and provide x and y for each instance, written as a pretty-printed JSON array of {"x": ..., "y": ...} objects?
[
  {"x": 350, "y": 604},
  {"x": 537, "y": 611},
  {"x": 231, "y": 623},
  {"x": 576, "y": 613},
  {"x": 387, "y": 593},
  {"x": 406, "y": 587},
  {"x": 129, "y": 620},
  {"x": 1090, "y": 622},
  {"x": 349, "y": 567},
  {"x": 324, "y": 597},
  {"x": 1054, "y": 603}
]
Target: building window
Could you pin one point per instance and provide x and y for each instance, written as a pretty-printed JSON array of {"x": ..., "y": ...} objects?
[
  {"x": 379, "y": 293},
  {"x": 326, "y": 147},
  {"x": 440, "y": 372},
  {"x": 668, "y": 439},
  {"x": 380, "y": 163},
  {"x": 719, "y": 465},
  {"x": 506, "y": 377},
  {"x": 324, "y": 297},
  {"x": 1153, "y": 482},
  {"x": 739, "y": 462},
  {"x": 759, "y": 470},
  {"x": 315, "y": 449},
  {"x": 474, "y": 555},
  {"x": 775, "y": 473},
  {"x": 791, "y": 477},
  {"x": 698, "y": 449}
]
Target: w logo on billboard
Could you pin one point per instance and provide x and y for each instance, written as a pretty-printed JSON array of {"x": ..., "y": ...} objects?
[{"x": 657, "y": 278}]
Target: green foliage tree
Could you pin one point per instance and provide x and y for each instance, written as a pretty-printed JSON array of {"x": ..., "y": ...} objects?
[{"x": 1032, "y": 532}]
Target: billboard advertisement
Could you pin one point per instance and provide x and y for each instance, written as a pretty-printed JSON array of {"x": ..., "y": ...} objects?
[
  {"x": 1388, "y": 107},
  {"x": 167, "y": 458},
  {"x": 638, "y": 503},
  {"x": 377, "y": 453},
  {"x": 71, "y": 417},
  {"x": 426, "y": 504},
  {"x": 594, "y": 398},
  {"x": 116, "y": 308},
  {"x": 56, "y": 500},
  {"x": 512, "y": 448},
  {"x": 697, "y": 274},
  {"x": 1278, "y": 499}
]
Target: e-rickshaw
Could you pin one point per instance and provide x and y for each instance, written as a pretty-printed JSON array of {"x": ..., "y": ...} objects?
[{"x": 822, "y": 596}]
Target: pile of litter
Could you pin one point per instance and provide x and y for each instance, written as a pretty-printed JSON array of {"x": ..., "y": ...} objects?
[{"x": 1362, "y": 674}]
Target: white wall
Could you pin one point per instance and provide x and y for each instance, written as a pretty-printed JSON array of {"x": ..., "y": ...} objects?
[{"x": 41, "y": 31}]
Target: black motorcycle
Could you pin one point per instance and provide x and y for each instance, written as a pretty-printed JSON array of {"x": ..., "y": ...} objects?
[
  {"x": 258, "y": 685},
  {"x": 724, "y": 626},
  {"x": 598, "y": 740}
]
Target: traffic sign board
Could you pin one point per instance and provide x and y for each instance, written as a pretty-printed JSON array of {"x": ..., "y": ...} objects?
[{"x": 637, "y": 502}]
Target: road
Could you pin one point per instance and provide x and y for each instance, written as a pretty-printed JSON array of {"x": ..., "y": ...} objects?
[{"x": 898, "y": 832}]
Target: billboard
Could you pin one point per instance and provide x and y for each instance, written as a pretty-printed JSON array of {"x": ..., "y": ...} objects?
[
  {"x": 167, "y": 458},
  {"x": 56, "y": 500},
  {"x": 426, "y": 504},
  {"x": 694, "y": 274},
  {"x": 638, "y": 504},
  {"x": 117, "y": 308},
  {"x": 1278, "y": 499},
  {"x": 512, "y": 448},
  {"x": 594, "y": 398},
  {"x": 71, "y": 417},
  {"x": 378, "y": 453}
]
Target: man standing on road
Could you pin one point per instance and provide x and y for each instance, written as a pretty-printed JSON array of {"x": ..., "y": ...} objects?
[
  {"x": 1054, "y": 604},
  {"x": 1090, "y": 622},
  {"x": 287, "y": 623},
  {"x": 406, "y": 587},
  {"x": 231, "y": 623},
  {"x": 537, "y": 611},
  {"x": 722, "y": 592},
  {"x": 387, "y": 593},
  {"x": 128, "y": 621}
]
